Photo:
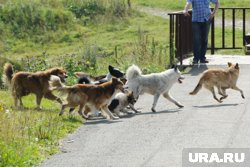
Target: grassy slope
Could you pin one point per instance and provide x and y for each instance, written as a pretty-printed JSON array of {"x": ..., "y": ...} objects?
[
  {"x": 124, "y": 34},
  {"x": 179, "y": 4}
]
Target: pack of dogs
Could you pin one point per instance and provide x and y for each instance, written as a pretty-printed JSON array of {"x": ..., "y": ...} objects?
[{"x": 113, "y": 93}]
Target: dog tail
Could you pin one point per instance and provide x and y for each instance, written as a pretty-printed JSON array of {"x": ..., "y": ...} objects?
[
  {"x": 83, "y": 80},
  {"x": 7, "y": 74},
  {"x": 56, "y": 84},
  {"x": 133, "y": 72},
  {"x": 197, "y": 88}
]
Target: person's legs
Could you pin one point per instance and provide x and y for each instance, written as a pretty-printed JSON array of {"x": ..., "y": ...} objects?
[
  {"x": 196, "y": 41},
  {"x": 204, "y": 40}
]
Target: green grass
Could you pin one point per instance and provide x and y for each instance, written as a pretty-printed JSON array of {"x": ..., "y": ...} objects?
[
  {"x": 228, "y": 42},
  {"x": 179, "y": 4},
  {"x": 27, "y": 137},
  {"x": 126, "y": 35}
]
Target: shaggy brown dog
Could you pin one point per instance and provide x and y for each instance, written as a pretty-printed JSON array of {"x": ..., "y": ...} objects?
[
  {"x": 24, "y": 83},
  {"x": 94, "y": 96},
  {"x": 222, "y": 79}
]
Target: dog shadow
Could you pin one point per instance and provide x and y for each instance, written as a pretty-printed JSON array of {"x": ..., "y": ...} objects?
[
  {"x": 216, "y": 105},
  {"x": 125, "y": 116},
  {"x": 72, "y": 119},
  {"x": 100, "y": 121},
  {"x": 197, "y": 69},
  {"x": 171, "y": 111}
]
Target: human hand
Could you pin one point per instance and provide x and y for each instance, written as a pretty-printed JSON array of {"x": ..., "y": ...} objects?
[
  {"x": 211, "y": 16},
  {"x": 186, "y": 13}
]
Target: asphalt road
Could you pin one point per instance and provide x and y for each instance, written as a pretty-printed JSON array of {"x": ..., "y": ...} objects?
[{"x": 157, "y": 139}]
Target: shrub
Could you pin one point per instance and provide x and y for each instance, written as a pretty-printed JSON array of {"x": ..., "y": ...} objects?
[
  {"x": 84, "y": 60},
  {"x": 26, "y": 19},
  {"x": 89, "y": 8},
  {"x": 36, "y": 63},
  {"x": 93, "y": 10}
]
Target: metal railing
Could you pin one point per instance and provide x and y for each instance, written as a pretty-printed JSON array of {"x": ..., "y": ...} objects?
[{"x": 180, "y": 37}]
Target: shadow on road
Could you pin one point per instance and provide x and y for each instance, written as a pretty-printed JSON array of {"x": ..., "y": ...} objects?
[
  {"x": 216, "y": 105},
  {"x": 101, "y": 121},
  {"x": 171, "y": 111},
  {"x": 129, "y": 115},
  {"x": 197, "y": 69}
]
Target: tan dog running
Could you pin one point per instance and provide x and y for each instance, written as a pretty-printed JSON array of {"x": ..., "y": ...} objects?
[
  {"x": 24, "y": 83},
  {"x": 222, "y": 79},
  {"x": 97, "y": 96}
]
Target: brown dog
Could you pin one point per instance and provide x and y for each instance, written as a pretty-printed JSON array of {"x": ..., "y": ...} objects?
[
  {"x": 24, "y": 83},
  {"x": 222, "y": 79},
  {"x": 97, "y": 96}
]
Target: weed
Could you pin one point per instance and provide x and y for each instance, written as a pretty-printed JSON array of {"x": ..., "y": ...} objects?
[{"x": 36, "y": 63}]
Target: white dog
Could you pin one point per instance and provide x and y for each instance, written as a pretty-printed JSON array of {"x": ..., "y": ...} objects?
[{"x": 154, "y": 84}]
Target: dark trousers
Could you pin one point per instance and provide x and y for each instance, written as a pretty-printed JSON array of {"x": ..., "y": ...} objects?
[{"x": 200, "y": 40}]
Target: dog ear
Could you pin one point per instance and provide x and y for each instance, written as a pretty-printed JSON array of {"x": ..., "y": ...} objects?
[
  {"x": 110, "y": 68},
  {"x": 229, "y": 64},
  {"x": 114, "y": 80},
  {"x": 236, "y": 66},
  {"x": 174, "y": 66}
]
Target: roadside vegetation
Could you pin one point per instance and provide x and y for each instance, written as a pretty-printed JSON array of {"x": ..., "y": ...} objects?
[
  {"x": 84, "y": 35},
  {"x": 179, "y": 4}
]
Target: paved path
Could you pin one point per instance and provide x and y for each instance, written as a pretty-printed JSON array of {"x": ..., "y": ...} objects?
[
  {"x": 221, "y": 59},
  {"x": 157, "y": 139}
]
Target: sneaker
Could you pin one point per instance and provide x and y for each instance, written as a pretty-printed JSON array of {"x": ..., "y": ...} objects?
[{"x": 204, "y": 61}]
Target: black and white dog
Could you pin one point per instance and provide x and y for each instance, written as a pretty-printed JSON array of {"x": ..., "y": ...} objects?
[
  {"x": 87, "y": 79},
  {"x": 120, "y": 103}
]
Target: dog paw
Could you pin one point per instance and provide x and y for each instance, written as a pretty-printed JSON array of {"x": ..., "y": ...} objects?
[
  {"x": 153, "y": 110},
  {"x": 115, "y": 118},
  {"x": 180, "y": 106}
]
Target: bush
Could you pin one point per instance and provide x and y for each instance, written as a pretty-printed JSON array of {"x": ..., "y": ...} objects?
[
  {"x": 89, "y": 8},
  {"x": 84, "y": 60},
  {"x": 36, "y": 63},
  {"x": 26, "y": 19},
  {"x": 93, "y": 10}
]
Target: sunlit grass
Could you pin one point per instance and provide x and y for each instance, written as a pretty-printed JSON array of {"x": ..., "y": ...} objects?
[
  {"x": 29, "y": 136},
  {"x": 179, "y": 4}
]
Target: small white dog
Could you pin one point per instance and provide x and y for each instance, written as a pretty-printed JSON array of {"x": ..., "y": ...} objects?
[
  {"x": 154, "y": 84},
  {"x": 121, "y": 101}
]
